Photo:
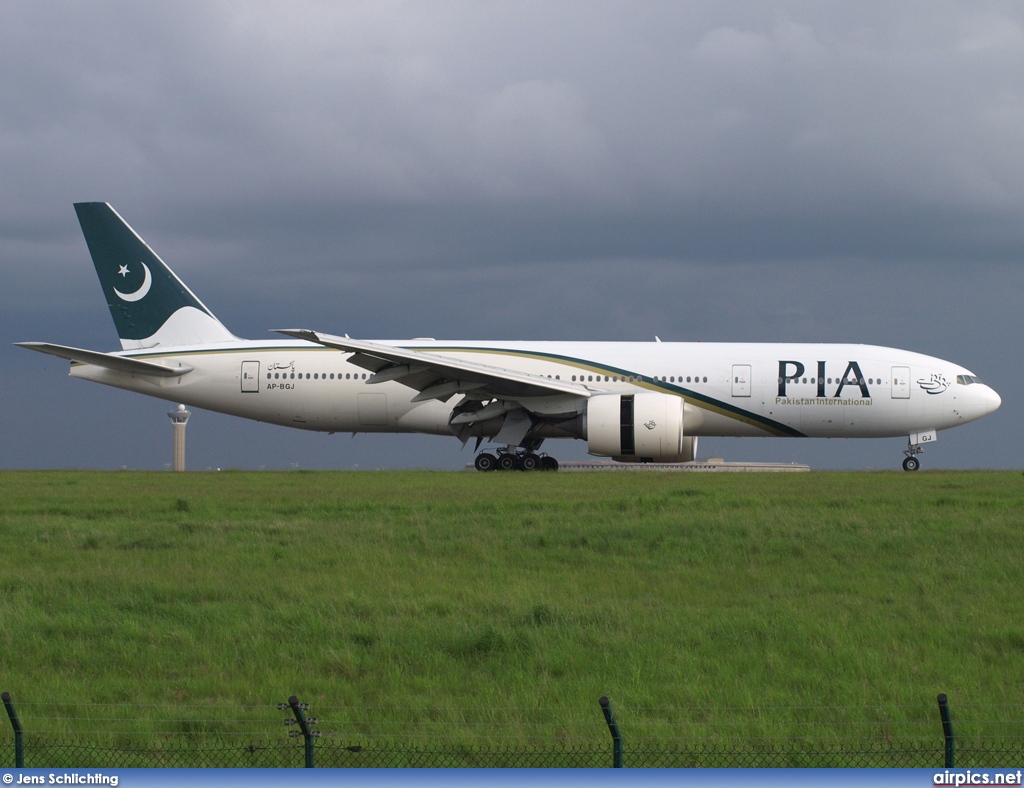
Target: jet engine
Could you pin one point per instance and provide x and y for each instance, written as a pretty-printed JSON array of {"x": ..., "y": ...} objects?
[{"x": 642, "y": 427}]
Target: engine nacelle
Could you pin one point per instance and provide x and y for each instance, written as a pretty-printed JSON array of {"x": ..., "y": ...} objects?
[{"x": 642, "y": 427}]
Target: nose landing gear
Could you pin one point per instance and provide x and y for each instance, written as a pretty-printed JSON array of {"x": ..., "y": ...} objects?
[{"x": 914, "y": 447}]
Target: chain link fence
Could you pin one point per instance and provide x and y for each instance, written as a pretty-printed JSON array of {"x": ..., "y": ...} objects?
[
  {"x": 52, "y": 753},
  {"x": 180, "y": 741}
]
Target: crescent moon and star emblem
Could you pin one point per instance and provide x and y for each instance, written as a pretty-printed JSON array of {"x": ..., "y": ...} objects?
[{"x": 139, "y": 294}]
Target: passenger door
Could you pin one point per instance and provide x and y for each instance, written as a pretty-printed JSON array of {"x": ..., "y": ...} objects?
[
  {"x": 250, "y": 377},
  {"x": 741, "y": 380},
  {"x": 901, "y": 382}
]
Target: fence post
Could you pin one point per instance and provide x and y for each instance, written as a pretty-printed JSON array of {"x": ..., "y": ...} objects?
[
  {"x": 304, "y": 723},
  {"x": 947, "y": 731},
  {"x": 19, "y": 734},
  {"x": 613, "y": 727}
]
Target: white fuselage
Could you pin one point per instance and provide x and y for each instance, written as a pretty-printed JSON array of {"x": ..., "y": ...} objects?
[{"x": 729, "y": 389}]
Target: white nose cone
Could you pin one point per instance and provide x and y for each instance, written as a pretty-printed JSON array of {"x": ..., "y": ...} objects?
[
  {"x": 992, "y": 400},
  {"x": 975, "y": 401}
]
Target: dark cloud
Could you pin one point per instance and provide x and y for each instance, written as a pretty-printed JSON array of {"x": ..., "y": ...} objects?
[{"x": 792, "y": 171}]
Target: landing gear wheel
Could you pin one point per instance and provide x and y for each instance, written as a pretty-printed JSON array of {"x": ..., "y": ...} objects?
[
  {"x": 508, "y": 462},
  {"x": 530, "y": 462},
  {"x": 485, "y": 462},
  {"x": 548, "y": 463},
  {"x": 911, "y": 464}
]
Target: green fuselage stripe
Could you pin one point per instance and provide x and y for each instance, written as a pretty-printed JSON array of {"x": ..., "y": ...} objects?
[{"x": 695, "y": 398}]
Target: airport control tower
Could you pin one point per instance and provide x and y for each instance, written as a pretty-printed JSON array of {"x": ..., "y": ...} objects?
[{"x": 179, "y": 418}]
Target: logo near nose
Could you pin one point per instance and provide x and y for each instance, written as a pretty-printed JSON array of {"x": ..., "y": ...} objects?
[{"x": 936, "y": 384}]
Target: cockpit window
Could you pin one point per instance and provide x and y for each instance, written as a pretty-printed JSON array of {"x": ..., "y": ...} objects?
[{"x": 967, "y": 380}]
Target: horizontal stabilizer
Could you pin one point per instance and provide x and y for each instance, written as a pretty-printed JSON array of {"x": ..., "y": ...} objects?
[{"x": 117, "y": 363}]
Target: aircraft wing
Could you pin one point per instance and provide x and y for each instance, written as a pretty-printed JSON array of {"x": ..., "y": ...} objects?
[
  {"x": 437, "y": 376},
  {"x": 108, "y": 360}
]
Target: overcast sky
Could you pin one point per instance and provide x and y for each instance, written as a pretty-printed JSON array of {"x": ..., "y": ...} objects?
[{"x": 784, "y": 171}]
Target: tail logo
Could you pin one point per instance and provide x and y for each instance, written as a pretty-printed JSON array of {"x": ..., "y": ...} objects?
[{"x": 139, "y": 294}]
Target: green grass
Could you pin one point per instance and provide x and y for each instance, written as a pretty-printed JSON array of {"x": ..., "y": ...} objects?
[{"x": 494, "y": 606}]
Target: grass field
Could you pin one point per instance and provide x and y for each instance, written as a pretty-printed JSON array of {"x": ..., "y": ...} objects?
[{"x": 504, "y": 605}]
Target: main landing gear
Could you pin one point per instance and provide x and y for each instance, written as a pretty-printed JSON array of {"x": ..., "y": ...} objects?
[{"x": 507, "y": 460}]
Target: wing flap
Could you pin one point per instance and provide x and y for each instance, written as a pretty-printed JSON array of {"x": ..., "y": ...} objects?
[{"x": 117, "y": 363}]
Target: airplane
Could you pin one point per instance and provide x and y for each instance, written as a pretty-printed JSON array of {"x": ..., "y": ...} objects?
[{"x": 634, "y": 402}]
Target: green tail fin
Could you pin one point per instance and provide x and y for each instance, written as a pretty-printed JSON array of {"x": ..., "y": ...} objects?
[{"x": 149, "y": 304}]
